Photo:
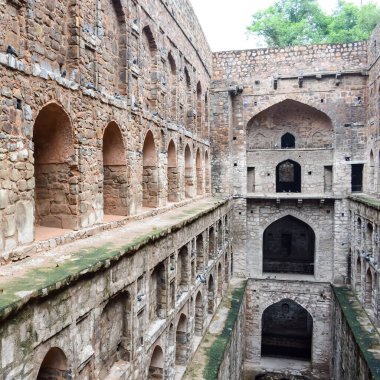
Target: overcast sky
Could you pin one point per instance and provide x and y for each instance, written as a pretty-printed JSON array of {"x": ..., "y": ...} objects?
[{"x": 224, "y": 21}]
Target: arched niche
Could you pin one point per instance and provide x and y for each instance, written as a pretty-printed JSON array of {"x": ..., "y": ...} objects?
[
  {"x": 200, "y": 254},
  {"x": 189, "y": 112},
  {"x": 182, "y": 341},
  {"x": 56, "y": 202},
  {"x": 54, "y": 366},
  {"x": 287, "y": 331},
  {"x": 115, "y": 179},
  {"x": 150, "y": 172},
  {"x": 207, "y": 174},
  {"x": 173, "y": 173},
  {"x": 289, "y": 247},
  {"x": 288, "y": 177},
  {"x": 293, "y": 117},
  {"x": 156, "y": 366},
  {"x": 210, "y": 295},
  {"x": 189, "y": 180},
  {"x": 172, "y": 87},
  {"x": 199, "y": 168},
  {"x": 199, "y": 110},
  {"x": 199, "y": 314},
  {"x": 158, "y": 290}
]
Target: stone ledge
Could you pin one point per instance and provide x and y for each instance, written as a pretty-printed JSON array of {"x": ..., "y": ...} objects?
[
  {"x": 56, "y": 269},
  {"x": 211, "y": 352},
  {"x": 366, "y": 200},
  {"x": 365, "y": 333}
]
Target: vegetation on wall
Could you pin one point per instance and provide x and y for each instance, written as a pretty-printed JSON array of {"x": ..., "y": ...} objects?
[{"x": 298, "y": 22}]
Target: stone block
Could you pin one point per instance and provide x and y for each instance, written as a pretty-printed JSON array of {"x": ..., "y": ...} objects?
[
  {"x": 3, "y": 199},
  {"x": 25, "y": 221}
]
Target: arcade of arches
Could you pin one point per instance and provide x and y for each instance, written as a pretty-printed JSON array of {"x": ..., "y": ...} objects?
[{"x": 171, "y": 213}]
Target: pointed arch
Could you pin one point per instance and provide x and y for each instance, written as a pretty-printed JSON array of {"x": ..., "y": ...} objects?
[
  {"x": 55, "y": 167},
  {"x": 288, "y": 177},
  {"x": 371, "y": 172},
  {"x": 288, "y": 141},
  {"x": 358, "y": 274},
  {"x": 220, "y": 281},
  {"x": 289, "y": 247},
  {"x": 200, "y": 253},
  {"x": 368, "y": 289},
  {"x": 150, "y": 172},
  {"x": 115, "y": 179},
  {"x": 287, "y": 331},
  {"x": 205, "y": 133}
]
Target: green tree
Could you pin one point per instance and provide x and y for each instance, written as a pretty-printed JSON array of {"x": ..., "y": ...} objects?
[{"x": 296, "y": 22}]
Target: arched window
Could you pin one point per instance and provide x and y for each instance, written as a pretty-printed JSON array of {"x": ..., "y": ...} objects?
[
  {"x": 288, "y": 141},
  {"x": 368, "y": 289},
  {"x": 287, "y": 330},
  {"x": 288, "y": 247},
  {"x": 288, "y": 177}
]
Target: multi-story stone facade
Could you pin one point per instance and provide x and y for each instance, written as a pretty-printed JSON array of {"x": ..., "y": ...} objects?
[{"x": 167, "y": 212}]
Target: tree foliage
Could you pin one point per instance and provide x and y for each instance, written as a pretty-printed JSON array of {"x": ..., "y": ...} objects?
[{"x": 298, "y": 22}]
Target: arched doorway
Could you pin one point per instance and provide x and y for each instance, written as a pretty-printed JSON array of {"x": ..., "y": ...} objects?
[
  {"x": 220, "y": 281},
  {"x": 371, "y": 172},
  {"x": 211, "y": 243},
  {"x": 199, "y": 110},
  {"x": 287, "y": 331},
  {"x": 150, "y": 172},
  {"x": 289, "y": 247},
  {"x": 156, "y": 366},
  {"x": 54, "y": 366},
  {"x": 189, "y": 181},
  {"x": 288, "y": 177},
  {"x": 182, "y": 342},
  {"x": 56, "y": 202},
  {"x": 200, "y": 254},
  {"x": 115, "y": 178},
  {"x": 173, "y": 173},
  {"x": 358, "y": 274}
]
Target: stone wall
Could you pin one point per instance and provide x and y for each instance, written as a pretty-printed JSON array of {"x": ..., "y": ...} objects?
[
  {"x": 91, "y": 71},
  {"x": 109, "y": 321}
]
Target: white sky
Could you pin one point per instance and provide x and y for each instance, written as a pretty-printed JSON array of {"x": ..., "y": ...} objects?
[{"x": 224, "y": 21}]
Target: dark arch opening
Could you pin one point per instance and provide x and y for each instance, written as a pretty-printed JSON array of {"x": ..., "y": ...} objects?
[
  {"x": 199, "y": 313},
  {"x": 287, "y": 331},
  {"x": 289, "y": 247},
  {"x": 288, "y": 177},
  {"x": 54, "y": 366},
  {"x": 288, "y": 141},
  {"x": 182, "y": 341},
  {"x": 156, "y": 367}
]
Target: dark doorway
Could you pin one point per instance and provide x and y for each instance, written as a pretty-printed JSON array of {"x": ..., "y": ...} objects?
[
  {"x": 288, "y": 177},
  {"x": 357, "y": 177},
  {"x": 288, "y": 247},
  {"x": 288, "y": 141},
  {"x": 287, "y": 330}
]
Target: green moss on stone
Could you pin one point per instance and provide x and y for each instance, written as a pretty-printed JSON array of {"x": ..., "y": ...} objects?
[
  {"x": 366, "y": 337},
  {"x": 215, "y": 353}
]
